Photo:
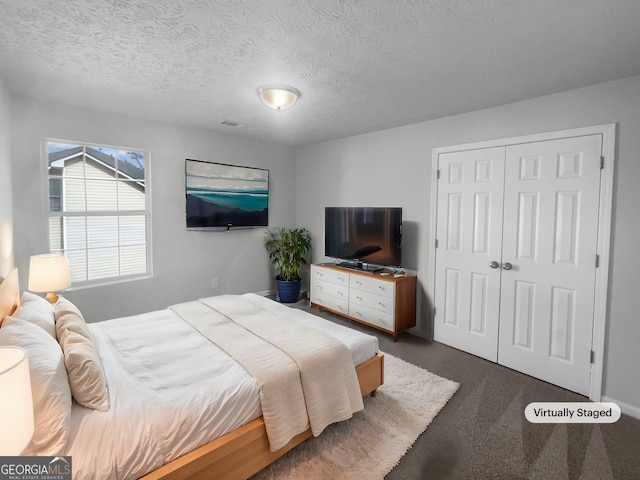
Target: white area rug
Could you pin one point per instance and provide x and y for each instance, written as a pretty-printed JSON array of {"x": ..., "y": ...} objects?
[{"x": 371, "y": 443}]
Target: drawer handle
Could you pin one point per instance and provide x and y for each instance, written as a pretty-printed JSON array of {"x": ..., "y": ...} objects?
[
  {"x": 359, "y": 298},
  {"x": 320, "y": 287},
  {"x": 358, "y": 314},
  {"x": 358, "y": 282},
  {"x": 381, "y": 287},
  {"x": 341, "y": 294},
  {"x": 340, "y": 307},
  {"x": 381, "y": 304}
]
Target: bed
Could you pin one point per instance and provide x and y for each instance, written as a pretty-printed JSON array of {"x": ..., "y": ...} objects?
[{"x": 199, "y": 412}]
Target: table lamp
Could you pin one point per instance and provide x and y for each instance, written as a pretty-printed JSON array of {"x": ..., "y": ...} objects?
[
  {"x": 47, "y": 273},
  {"x": 16, "y": 405}
]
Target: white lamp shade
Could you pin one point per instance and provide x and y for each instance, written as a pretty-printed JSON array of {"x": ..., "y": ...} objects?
[
  {"x": 16, "y": 405},
  {"x": 278, "y": 97},
  {"x": 48, "y": 273}
]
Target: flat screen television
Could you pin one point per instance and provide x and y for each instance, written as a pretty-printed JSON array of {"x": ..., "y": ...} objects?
[
  {"x": 221, "y": 195},
  {"x": 364, "y": 235}
]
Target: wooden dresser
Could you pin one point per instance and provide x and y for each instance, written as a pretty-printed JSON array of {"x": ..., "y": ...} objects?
[{"x": 385, "y": 302}]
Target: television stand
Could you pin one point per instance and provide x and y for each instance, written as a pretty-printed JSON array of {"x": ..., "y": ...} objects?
[
  {"x": 372, "y": 269},
  {"x": 385, "y": 302},
  {"x": 350, "y": 264},
  {"x": 362, "y": 266}
]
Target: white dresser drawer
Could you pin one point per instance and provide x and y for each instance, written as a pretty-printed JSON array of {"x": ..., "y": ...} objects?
[
  {"x": 329, "y": 275},
  {"x": 369, "y": 315},
  {"x": 330, "y": 302},
  {"x": 372, "y": 300},
  {"x": 333, "y": 289},
  {"x": 373, "y": 285}
]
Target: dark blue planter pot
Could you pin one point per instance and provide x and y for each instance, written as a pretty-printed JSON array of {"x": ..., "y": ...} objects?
[{"x": 288, "y": 291}]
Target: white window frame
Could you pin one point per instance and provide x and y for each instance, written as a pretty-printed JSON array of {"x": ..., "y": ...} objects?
[{"x": 147, "y": 212}]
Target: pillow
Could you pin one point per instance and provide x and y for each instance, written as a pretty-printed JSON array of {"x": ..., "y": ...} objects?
[
  {"x": 38, "y": 311},
  {"x": 68, "y": 317},
  {"x": 49, "y": 385},
  {"x": 64, "y": 306},
  {"x": 86, "y": 376},
  {"x": 84, "y": 369}
]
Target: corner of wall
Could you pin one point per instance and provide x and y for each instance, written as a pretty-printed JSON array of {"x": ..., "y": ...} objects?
[{"x": 7, "y": 260}]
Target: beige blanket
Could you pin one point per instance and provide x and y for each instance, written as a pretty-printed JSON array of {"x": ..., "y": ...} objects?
[{"x": 307, "y": 378}]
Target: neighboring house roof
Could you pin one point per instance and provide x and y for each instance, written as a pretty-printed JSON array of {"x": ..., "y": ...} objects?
[{"x": 125, "y": 169}]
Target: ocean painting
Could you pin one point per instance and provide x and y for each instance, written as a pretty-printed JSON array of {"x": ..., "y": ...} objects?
[{"x": 220, "y": 195}]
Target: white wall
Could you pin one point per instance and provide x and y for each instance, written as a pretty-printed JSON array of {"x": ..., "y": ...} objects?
[
  {"x": 185, "y": 262},
  {"x": 6, "y": 213},
  {"x": 393, "y": 167}
]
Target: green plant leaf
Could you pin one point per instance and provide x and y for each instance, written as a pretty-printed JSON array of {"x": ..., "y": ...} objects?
[{"x": 287, "y": 249}]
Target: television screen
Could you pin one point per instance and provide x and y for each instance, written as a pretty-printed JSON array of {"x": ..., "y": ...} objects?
[
  {"x": 364, "y": 234},
  {"x": 220, "y": 195}
]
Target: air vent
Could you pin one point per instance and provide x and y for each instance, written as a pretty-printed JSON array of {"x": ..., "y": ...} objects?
[{"x": 231, "y": 123}]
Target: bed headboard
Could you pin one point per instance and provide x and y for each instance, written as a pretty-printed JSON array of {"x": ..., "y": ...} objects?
[{"x": 9, "y": 294}]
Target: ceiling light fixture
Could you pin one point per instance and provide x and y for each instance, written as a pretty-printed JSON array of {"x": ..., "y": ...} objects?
[{"x": 278, "y": 97}]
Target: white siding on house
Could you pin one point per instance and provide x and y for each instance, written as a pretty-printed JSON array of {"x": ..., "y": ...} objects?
[
  {"x": 55, "y": 234},
  {"x": 130, "y": 196}
]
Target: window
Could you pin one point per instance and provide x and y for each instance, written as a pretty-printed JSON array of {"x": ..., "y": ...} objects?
[{"x": 98, "y": 210}]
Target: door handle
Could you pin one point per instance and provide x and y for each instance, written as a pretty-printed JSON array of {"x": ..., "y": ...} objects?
[
  {"x": 507, "y": 266},
  {"x": 494, "y": 264}
]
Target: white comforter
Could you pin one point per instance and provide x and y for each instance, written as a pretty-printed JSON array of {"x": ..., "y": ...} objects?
[
  {"x": 171, "y": 391},
  {"x": 306, "y": 376}
]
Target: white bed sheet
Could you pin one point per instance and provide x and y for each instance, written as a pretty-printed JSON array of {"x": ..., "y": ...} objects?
[{"x": 171, "y": 391}]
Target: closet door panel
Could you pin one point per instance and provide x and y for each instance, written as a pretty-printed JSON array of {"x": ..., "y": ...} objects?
[
  {"x": 469, "y": 226},
  {"x": 550, "y": 238}
]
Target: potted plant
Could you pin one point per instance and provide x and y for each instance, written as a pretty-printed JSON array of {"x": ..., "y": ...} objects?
[{"x": 287, "y": 249}]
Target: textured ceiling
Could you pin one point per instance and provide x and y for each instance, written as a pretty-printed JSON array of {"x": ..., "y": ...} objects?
[{"x": 360, "y": 65}]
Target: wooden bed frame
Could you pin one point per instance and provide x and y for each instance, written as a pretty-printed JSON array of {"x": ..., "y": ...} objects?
[{"x": 236, "y": 455}]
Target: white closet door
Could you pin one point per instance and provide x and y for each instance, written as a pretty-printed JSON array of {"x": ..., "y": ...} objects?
[
  {"x": 551, "y": 203},
  {"x": 469, "y": 226}
]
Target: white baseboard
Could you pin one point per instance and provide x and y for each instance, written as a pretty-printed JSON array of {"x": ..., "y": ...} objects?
[{"x": 630, "y": 410}]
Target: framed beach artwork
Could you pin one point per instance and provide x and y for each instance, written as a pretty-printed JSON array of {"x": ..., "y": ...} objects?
[{"x": 220, "y": 195}]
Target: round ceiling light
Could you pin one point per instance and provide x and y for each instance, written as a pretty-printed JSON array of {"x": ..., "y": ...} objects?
[{"x": 278, "y": 97}]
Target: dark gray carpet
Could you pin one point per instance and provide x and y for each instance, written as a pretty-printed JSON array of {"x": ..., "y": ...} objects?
[{"x": 482, "y": 432}]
